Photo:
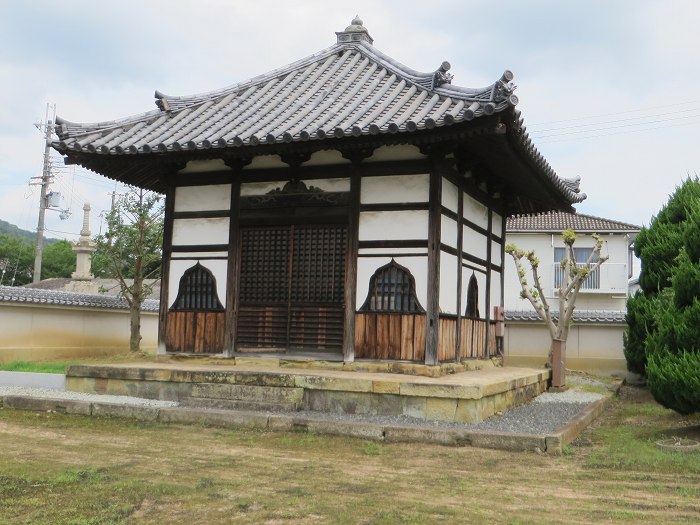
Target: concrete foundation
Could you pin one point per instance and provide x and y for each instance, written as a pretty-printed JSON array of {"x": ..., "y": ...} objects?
[{"x": 468, "y": 397}]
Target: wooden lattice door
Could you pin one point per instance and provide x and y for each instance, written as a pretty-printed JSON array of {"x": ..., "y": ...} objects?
[{"x": 291, "y": 287}]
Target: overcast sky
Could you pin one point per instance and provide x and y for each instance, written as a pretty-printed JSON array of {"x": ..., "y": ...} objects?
[{"x": 608, "y": 89}]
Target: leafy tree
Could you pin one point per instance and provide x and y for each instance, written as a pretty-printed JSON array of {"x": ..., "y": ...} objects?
[
  {"x": 16, "y": 260},
  {"x": 58, "y": 260},
  {"x": 574, "y": 276},
  {"x": 662, "y": 340},
  {"x": 131, "y": 249}
]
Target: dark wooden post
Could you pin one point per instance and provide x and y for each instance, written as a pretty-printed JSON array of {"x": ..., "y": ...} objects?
[
  {"x": 350, "y": 290},
  {"x": 165, "y": 268},
  {"x": 432, "y": 310},
  {"x": 234, "y": 257},
  {"x": 233, "y": 270},
  {"x": 489, "y": 242},
  {"x": 460, "y": 260}
]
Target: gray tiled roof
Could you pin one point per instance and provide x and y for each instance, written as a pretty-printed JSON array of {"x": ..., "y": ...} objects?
[
  {"x": 558, "y": 221},
  {"x": 350, "y": 89},
  {"x": 11, "y": 294},
  {"x": 580, "y": 316}
]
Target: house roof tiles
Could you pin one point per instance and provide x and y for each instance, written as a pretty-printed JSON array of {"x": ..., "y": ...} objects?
[
  {"x": 11, "y": 294},
  {"x": 579, "y": 316},
  {"x": 558, "y": 221}
]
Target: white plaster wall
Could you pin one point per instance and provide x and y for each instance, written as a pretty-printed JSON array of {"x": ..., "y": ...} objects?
[
  {"x": 266, "y": 161},
  {"x": 496, "y": 224},
  {"x": 201, "y": 231},
  {"x": 202, "y": 166},
  {"x": 404, "y": 152},
  {"x": 262, "y": 188},
  {"x": 448, "y": 283},
  {"x": 495, "y": 253},
  {"x": 393, "y": 225},
  {"x": 36, "y": 332},
  {"x": 395, "y": 188},
  {"x": 474, "y": 243},
  {"x": 203, "y": 198},
  {"x": 481, "y": 283},
  {"x": 418, "y": 266},
  {"x": 332, "y": 185},
  {"x": 475, "y": 211},
  {"x": 179, "y": 266},
  {"x": 321, "y": 158},
  {"x": 450, "y": 195},
  {"x": 495, "y": 291},
  {"x": 448, "y": 231}
]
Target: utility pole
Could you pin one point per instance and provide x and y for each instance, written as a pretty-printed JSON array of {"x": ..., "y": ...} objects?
[{"x": 45, "y": 180}]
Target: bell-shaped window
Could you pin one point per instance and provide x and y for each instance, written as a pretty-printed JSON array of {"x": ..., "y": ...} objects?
[
  {"x": 392, "y": 289},
  {"x": 197, "y": 291},
  {"x": 472, "y": 298}
]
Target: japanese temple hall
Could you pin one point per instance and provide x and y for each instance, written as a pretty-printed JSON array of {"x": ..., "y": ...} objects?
[{"x": 343, "y": 204}]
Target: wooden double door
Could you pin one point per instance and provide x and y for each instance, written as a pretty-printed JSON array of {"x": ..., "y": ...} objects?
[{"x": 291, "y": 288}]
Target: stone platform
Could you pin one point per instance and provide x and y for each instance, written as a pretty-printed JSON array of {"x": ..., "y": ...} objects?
[{"x": 257, "y": 384}]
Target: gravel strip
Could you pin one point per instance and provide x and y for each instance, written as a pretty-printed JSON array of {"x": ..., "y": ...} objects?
[
  {"x": 545, "y": 414},
  {"x": 568, "y": 396},
  {"x": 47, "y": 393}
]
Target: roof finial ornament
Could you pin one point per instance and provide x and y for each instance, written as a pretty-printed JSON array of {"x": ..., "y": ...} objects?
[{"x": 355, "y": 32}]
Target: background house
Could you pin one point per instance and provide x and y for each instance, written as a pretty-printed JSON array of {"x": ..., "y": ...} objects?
[{"x": 595, "y": 339}]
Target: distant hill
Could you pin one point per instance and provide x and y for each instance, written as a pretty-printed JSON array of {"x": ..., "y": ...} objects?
[{"x": 13, "y": 231}]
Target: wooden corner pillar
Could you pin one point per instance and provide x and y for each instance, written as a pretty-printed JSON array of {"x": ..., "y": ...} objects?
[
  {"x": 489, "y": 269},
  {"x": 234, "y": 258},
  {"x": 350, "y": 291},
  {"x": 165, "y": 269},
  {"x": 432, "y": 310}
]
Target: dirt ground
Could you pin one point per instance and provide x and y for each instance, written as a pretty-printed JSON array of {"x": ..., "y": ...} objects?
[{"x": 70, "y": 469}]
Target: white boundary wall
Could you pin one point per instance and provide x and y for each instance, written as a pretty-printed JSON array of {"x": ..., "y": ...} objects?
[{"x": 35, "y": 332}]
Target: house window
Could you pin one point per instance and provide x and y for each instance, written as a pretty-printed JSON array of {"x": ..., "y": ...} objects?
[
  {"x": 197, "y": 291},
  {"x": 392, "y": 289},
  {"x": 472, "y": 298},
  {"x": 581, "y": 255}
]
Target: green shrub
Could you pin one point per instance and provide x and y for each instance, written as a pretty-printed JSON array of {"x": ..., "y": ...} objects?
[
  {"x": 658, "y": 247},
  {"x": 685, "y": 281},
  {"x": 663, "y": 335},
  {"x": 641, "y": 321},
  {"x": 674, "y": 379}
]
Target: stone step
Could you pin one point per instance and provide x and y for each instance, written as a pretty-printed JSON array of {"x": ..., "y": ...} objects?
[
  {"x": 237, "y": 404},
  {"x": 249, "y": 397}
]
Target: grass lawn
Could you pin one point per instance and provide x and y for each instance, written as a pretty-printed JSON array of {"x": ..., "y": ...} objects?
[
  {"x": 59, "y": 366},
  {"x": 60, "y": 469}
]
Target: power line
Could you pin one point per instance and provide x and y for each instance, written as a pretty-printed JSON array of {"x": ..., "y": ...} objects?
[
  {"x": 606, "y": 128},
  {"x": 602, "y": 115},
  {"x": 555, "y": 138},
  {"x": 685, "y": 112}
]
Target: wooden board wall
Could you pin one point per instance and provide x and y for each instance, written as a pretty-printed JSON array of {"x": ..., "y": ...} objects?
[
  {"x": 402, "y": 337},
  {"x": 390, "y": 336},
  {"x": 195, "y": 332}
]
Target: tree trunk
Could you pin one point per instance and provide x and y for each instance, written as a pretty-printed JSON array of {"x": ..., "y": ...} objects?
[
  {"x": 135, "y": 322},
  {"x": 557, "y": 356}
]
